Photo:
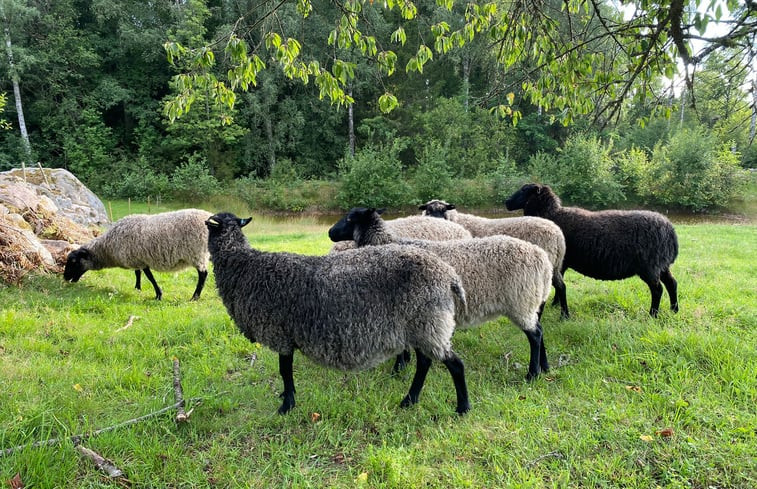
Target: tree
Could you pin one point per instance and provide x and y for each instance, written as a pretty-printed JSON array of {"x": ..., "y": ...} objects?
[
  {"x": 13, "y": 13},
  {"x": 581, "y": 56}
]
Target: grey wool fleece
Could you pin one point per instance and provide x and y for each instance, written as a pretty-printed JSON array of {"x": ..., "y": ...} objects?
[{"x": 349, "y": 311}]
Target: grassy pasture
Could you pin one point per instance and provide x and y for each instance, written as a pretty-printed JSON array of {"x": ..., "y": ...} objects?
[{"x": 631, "y": 401}]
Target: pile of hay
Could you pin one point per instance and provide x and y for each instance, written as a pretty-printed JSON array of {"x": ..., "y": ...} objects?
[{"x": 35, "y": 235}]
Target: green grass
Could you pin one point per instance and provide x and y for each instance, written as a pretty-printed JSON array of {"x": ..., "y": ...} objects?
[{"x": 618, "y": 378}]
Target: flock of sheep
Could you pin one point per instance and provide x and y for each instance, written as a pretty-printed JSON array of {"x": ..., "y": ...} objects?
[{"x": 389, "y": 286}]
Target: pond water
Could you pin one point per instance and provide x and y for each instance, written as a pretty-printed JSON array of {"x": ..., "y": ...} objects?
[{"x": 329, "y": 218}]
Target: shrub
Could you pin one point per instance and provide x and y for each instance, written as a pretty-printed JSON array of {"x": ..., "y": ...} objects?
[
  {"x": 373, "y": 178},
  {"x": 693, "y": 171},
  {"x": 293, "y": 196},
  {"x": 137, "y": 181},
  {"x": 581, "y": 173},
  {"x": 192, "y": 182},
  {"x": 631, "y": 168},
  {"x": 432, "y": 177}
]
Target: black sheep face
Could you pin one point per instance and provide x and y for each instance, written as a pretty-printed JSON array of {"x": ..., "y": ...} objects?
[
  {"x": 519, "y": 199},
  {"x": 224, "y": 222},
  {"x": 436, "y": 208},
  {"x": 344, "y": 229},
  {"x": 77, "y": 262}
]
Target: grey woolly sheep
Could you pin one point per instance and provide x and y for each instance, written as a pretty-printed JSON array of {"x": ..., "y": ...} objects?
[
  {"x": 349, "y": 310},
  {"x": 502, "y": 275},
  {"x": 541, "y": 232},
  {"x": 418, "y": 228},
  {"x": 610, "y": 244},
  {"x": 164, "y": 242}
]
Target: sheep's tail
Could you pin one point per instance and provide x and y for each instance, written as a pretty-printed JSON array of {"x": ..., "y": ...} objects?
[{"x": 459, "y": 291}]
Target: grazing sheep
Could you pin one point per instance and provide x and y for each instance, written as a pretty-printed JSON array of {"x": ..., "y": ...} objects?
[
  {"x": 611, "y": 244},
  {"x": 164, "y": 242},
  {"x": 541, "y": 232},
  {"x": 501, "y": 275},
  {"x": 418, "y": 228},
  {"x": 349, "y": 310}
]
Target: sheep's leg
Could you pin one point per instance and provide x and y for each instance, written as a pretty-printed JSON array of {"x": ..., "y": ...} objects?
[
  {"x": 535, "y": 338},
  {"x": 543, "y": 363},
  {"x": 556, "y": 299},
  {"x": 423, "y": 364},
  {"x": 559, "y": 284},
  {"x": 285, "y": 369},
  {"x": 148, "y": 274},
  {"x": 457, "y": 370},
  {"x": 655, "y": 287},
  {"x": 672, "y": 287},
  {"x": 201, "y": 276},
  {"x": 401, "y": 362},
  {"x": 138, "y": 284}
]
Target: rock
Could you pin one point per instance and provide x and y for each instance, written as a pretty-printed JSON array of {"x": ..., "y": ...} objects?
[
  {"x": 41, "y": 219},
  {"x": 71, "y": 197}
]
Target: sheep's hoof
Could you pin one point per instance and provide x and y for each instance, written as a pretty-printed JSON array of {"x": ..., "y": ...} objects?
[
  {"x": 674, "y": 307},
  {"x": 564, "y": 315},
  {"x": 195, "y": 298},
  {"x": 408, "y": 401},
  {"x": 531, "y": 376},
  {"x": 653, "y": 312},
  {"x": 463, "y": 408},
  {"x": 287, "y": 405}
]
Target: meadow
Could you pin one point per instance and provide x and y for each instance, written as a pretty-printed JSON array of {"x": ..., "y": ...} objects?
[{"x": 630, "y": 402}]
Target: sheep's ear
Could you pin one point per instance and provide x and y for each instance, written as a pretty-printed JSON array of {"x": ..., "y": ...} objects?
[
  {"x": 212, "y": 223},
  {"x": 422, "y": 207},
  {"x": 380, "y": 211},
  {"x": 244, "y": 222},
  {"x": 450, "y": 207}
]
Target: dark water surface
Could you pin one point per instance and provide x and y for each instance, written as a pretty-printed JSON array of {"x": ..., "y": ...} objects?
[{"x": 329, "y": 218}]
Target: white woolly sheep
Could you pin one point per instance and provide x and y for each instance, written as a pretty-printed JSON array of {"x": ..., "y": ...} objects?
[
  {"x": 541, "y": 232},
  {"x": 163, "y": 242},
  {"x": 349, "y": 310},
  {"x": 502, "y": 275},
  {"x": 418, "y": 228},
  {"x": 611, "y": 244}
]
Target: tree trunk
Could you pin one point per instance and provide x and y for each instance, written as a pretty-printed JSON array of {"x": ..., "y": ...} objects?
[
  {"x": 271, "y": 144},
  {"x": 466, "y": 80},
  {"x": 351, "y": 125},
  {"x": 16, "y": 88},
  {"x": 753, "y": 125}
]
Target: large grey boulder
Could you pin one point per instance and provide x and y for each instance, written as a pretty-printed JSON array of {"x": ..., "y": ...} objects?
[
  {"x": 42, "y": 218},
  {"x": 71, "y": 197}
]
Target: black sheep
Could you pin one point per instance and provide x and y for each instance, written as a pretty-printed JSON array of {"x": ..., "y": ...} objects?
[{"x": 610, "y": 244}]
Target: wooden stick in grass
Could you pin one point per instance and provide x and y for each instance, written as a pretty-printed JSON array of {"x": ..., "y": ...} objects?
[
  {"x": 100, "y": 462},
  {"x": 128, "y": 323},
  {"x": 181, "y": 415}
]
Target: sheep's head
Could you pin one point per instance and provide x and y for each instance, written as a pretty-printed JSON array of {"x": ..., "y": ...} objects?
[
  {"x": 534, "y": 199},
  {"x": 344, "y": 229},
  {"x": 77, "y": 262},
  {"x": 225, "y": 225},
  {"x": 436, "y": 208}
]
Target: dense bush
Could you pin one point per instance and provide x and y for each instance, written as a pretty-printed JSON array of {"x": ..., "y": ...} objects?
[
  {"x": 693, "y": 171},
  {"x": 432, "y": 177},
  {"x": 580, "y": 173},
  {"x": 192, "y": 182},
  {"x": 373, "y": 178},
  {"x": 136, "y": 181},
  {"x": 293, "y": 196}
]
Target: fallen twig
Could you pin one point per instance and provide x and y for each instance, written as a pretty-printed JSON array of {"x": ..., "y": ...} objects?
[
  {"x": 128, "y": 323},
  {"x": 101, "y": 463},
  {"x": 77, "y": 439},
  {"x": 538, "y": 459},
  {"x": 181, "y": 415}
]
